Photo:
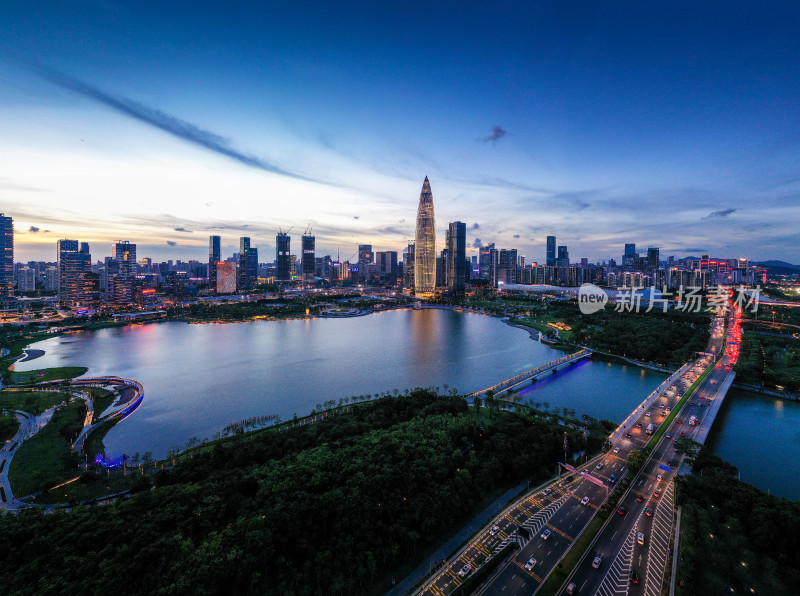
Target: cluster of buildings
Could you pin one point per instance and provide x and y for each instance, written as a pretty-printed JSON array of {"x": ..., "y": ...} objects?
[{"x": 122, "y": 279}]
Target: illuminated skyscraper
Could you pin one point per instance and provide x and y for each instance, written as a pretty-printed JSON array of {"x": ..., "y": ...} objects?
[
  {"x": 456, "y": 254},
  {"x": 6, "y": 256},
  {"x": 247, "y": 273},
  {"x": 425, "y": 244},
  {"x": 551, "y": 251},
  {"x": 214, "y": 257}
]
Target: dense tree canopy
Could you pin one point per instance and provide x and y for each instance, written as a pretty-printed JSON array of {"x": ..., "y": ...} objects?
[{"x": 322, "y": 509}]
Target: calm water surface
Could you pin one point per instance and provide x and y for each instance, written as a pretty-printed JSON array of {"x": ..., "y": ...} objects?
[
  {"x": 198, "y": 378},
  {"x": 760, "y": 435}
]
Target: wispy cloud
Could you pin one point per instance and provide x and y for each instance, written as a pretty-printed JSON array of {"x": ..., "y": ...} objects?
[
  {"x": 496, "y": 134},
  {"x": 722, "y": 213},
  {"x": 477, "y": 243},
  {"x": 184, "y": 230},
  {"x": 475, "y": 226},
  {"x": 172, "y": 243},
  {"x": 33, "y": 229},
  {"x": 166, "y": 122}
]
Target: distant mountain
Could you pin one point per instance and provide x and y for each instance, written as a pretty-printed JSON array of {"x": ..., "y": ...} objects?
[{"x": 783, "y": 264}]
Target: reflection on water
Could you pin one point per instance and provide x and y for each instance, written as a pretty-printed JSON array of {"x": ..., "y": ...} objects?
[
  {"x": 198, "y": 378},
  {"x": 760, "y": 435}
]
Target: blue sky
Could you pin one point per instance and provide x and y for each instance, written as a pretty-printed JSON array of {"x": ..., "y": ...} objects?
[{"x": 674, "y": 125}]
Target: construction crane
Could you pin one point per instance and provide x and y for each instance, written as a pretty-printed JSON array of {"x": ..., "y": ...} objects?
[{"x": 308, "y": 231}]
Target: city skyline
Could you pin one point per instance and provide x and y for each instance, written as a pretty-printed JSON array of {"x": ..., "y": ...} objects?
[{"x": 596, "y": 125}]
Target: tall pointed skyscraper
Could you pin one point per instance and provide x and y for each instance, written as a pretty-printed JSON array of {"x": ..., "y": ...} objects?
[{"x": 425, "y": 244}]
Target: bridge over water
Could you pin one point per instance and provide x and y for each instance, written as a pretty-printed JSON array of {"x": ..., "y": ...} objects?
[{"x": 553, "y": 366}]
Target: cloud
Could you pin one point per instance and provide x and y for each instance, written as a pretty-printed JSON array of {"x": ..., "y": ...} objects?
[
  {"x": 166, "y": 122},
  {"x": 33, "y": 229},
  {"x": 475, "y": 226},
  {"x": 391, "y": 230},
  {"x": 172, "y": 243},
  {"x": 497, "y": 134},
  {"x": 355, "y": 217},
  {"x": 46, "y": 232},
  {"x": 477, "y": 243},
  {"x": 402, "y": 220},
  {"x": 722, "y": 213},
  {"x": 184, "y": 230},
  {"x": 516, "y": 235}
]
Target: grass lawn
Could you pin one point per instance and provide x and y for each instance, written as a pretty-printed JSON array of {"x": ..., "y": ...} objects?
[
  {"x": 82, "y": 490},
  {"x": 48, "y": 374},
  {"x": 8, "y": 426},
  {"x": 46, "y": 458},
  {"x": 33, "y": 402},
  {"x": 102, "y": 399},
  {"x": 94, "y": 442}
]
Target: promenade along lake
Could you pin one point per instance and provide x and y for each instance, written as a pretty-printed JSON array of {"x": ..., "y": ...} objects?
[{"x": 198, "y": 378}]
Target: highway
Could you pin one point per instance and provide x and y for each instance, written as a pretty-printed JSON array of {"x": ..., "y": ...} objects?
[
  {"x": 562, "y": 512},
  {"x": 619, "y": 544}
]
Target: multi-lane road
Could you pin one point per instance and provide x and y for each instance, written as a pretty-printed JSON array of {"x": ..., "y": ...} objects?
[
  {"x": 552, "y": 518},
  {"x": 637, "y": 541}
]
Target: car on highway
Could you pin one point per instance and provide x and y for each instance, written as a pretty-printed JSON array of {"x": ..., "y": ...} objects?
[
  {"x": 640, "y": 537},
  {"x": 612, "y": 478},
  {"x": 616, "y": 449},
  {"x": 638, "y": 425},
  {"x": 569, "y": 478},
  {"x": 598, "y": 467},
  {"x": 633, "y": 576},
  {"x": 465, "y": 570},
  {"x": 628, "y": 435},
  {"x": 683, "y": 434},
  {"x": 572, "y": 588},
  {"x": 669, "y": 435},
  {"x": 622, "y": 510},
  {"x": 691, "y": 403},
  {"x": 679, "y": 421},
  {"x": 530, "y": 564},
  {"x": 647, "y": 414},
  {"x": 648, "y": 512},
  {"x": 495, "y": 529},
  {"x": 659, "y": 478},
  {"x": 546, "y": 533},
  {"x": 547, "y": 491},
  {"x": 585, "y": 500},
  {"x": 597, "y": 562},
  {"x": 639, "y": 498},
  {"x": 657, "y": 493}
]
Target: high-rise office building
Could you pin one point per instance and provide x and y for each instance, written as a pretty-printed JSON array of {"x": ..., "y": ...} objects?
[
  {"x": 457, "y": 256},
  {"x": 425, "y": 244},
  {"x": 247, "y": 273},
  {"x": 214, "y": 257},
  {"x": 365, "y": 255},
  {"x": 283, "y": 258},
  {"x": 629, "y": 257},
  {"x": 562, "y": 260},
  {"x": 387, "y": 266},
  {"x": 652, "y": 259},
  {"x": 308, "y": 263},
  {"x": 125, "y": 253},
  {"x": 551, "y": 251},
  {"x": 408, "y": 265},
  {"x": 76, "y": 282},
  {"x": 484, "y": 261},
  {"x": 507, "y": 266},
  {"x": 6, "y": 256}
]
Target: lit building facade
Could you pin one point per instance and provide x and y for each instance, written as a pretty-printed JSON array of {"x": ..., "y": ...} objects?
[
  {"x": 425, "y": 244},
  {"x": 457, "y": 256},
  {"x": 283, "y": 257},
  {"x": 6, "y": 256},
  {"x": 214, "y": 257},
  {"x": 308, "y": 262}
]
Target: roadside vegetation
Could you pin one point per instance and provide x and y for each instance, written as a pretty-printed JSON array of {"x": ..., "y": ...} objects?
[
  {"x": 8, "y": 426},
  {"x": 734, "y": 537},
  {"x": 328, "y": 508},
  {"x": 32, "y": 402},
  {"x": 770, "y": 361}
]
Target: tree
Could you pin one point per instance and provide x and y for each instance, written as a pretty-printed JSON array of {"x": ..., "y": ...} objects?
[
  {"x": 635, "y": 461},
  {"x": 687, "y": 447},
  {"x": 476, "y": 401}
]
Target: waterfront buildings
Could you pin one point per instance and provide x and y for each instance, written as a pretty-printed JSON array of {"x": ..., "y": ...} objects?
[
  {"x": 551, "y": 251},
  {"x": 214, "y": 257},
  {"x": 283, "y": 257},
  {"x": 457, "y": 256},
  {"x": 308, "y": 263},
  {"x": 6, "y": 256},
  {"x": 425, "y": 244},
  {"x": 247, "y": 271}
]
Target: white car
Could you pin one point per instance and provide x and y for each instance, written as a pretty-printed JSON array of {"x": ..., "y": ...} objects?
[
  {"x": 465, "y": 570},
  {"x": 640, "y": 538},
  {"x": 547, "y": 491},
  {"x": 585, "y": 500},
  {"x": 598, "y": 467},
  {"x": 546, "y": 533},
  {"x": 530, "y": 564},
  {"x": 495, "y": 529},
  {"x": 659, "y": 478},
  {"x": 616, "y": 449},
  {"x": 597, "y": 562}
]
